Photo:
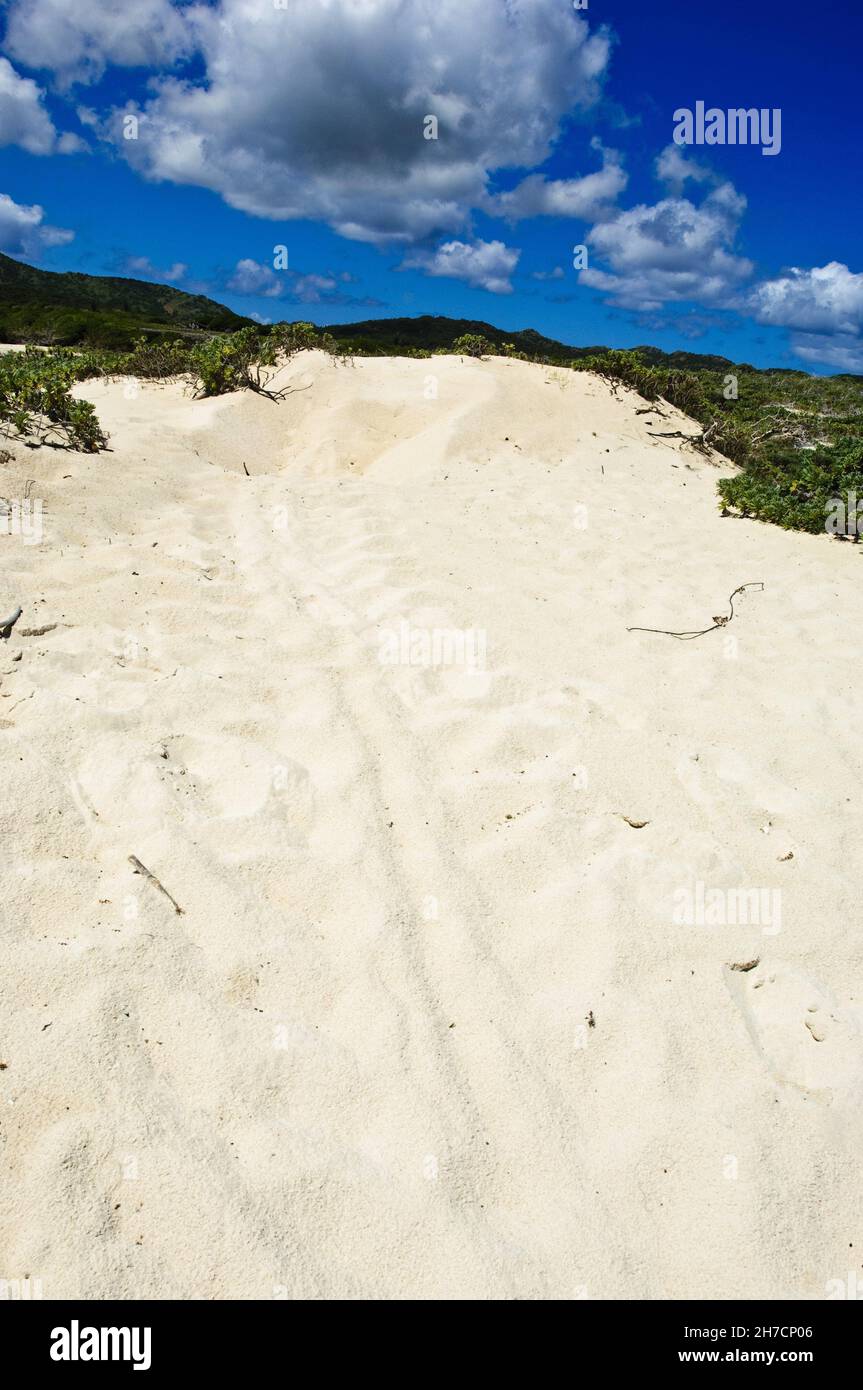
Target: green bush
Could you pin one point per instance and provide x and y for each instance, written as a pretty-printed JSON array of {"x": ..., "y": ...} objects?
[
  {"x": 160, "y": 358},
  {"x": 249, "y": 359},
  {"x": 36, "y": 405},
  {"x": 625, "y": 368},
  {"x": 796, "y": 488},
  {"x": 472, "y": 345},
  {"x": 230, "y": 362}
]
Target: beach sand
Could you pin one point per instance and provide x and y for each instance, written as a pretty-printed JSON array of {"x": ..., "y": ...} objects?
[{"x": 433, "y": 1022}]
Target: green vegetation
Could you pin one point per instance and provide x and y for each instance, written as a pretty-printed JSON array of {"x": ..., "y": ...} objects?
[
  {"x": 36, "y": 404},
  {"x": 65, "y": 309},
  {"x": 248, "y": 359},
  {"x": 428, "y": 334},
  {"x": 797, "y": 439},
  {"x": 473, "y": 345}
]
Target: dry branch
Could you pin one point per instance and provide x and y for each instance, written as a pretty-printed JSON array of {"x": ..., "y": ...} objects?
[
  {"x": 721, "y": 621},
  {"x": 142, "y": 869}
]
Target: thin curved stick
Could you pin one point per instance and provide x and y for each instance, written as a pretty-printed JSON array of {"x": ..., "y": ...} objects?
[{"x": 717, "y": 622}]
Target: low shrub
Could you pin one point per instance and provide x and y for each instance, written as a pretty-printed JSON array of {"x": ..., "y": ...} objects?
[
  {"x": 36, "y": 404},
  {"x": 472, "y": 345},
  {"x": 796, "y": 489},
  {"x": 160, "y": 358}
]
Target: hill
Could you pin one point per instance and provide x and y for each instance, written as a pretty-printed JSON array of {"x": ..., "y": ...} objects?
[
  {"x": 372, "y": 337},
  {"x": 68, "y": 307}
]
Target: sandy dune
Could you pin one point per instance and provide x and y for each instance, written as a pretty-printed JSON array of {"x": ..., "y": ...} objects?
[{"x": 431, "y": 1023}]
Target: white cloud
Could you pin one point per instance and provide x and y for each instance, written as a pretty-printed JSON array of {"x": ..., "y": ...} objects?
[
  {"x": 825, "y": 299},
  {"x": 143, "y": 266},
  {"x": 557, "y": 274},
  {"x": 673, "y": 169},
  {"x": 844, "y": 352},
  {"x": 671, "y": 251},
  {"x": 250, "y": 277},
  {"x": 69, "y": 143},
  {"x": 23, "y": 119},
  {"x": 77, "y": 39},
  {"x": 589, "y": 198},
  {"x": 317, "y": 111},
  {"x": 311, "y": 289},
  {"x": 484, "y": 264},
  {"x": 22, "y": 231}
]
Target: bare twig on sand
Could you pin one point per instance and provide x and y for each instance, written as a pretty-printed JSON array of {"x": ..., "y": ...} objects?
[
  {"x": 721, "y": 621},
  {"x": 142, "y": 869},
  {"x": 7, "y": 624}
]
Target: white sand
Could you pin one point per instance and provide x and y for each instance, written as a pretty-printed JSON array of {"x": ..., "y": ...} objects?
[{"x": 360, "y": 1064}]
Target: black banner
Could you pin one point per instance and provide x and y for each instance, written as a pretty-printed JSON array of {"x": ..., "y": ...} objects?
[{"x": 159, "y": 1338}]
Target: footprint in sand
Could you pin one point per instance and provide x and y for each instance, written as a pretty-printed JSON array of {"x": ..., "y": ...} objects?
[{"x": 804, "y": 1038}]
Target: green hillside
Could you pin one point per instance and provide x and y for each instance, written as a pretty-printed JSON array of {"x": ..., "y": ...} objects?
[
  {"x": 428, "y": 332},
  {"x": 66, "y": 307},
  {"x": 431, "y": 332}
]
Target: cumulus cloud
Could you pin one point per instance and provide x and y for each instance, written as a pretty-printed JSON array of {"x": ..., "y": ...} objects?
[
  {"x": 69, "y": 143},
  {"x": 674, "y": 169},
  {"x": 824, "y": 308},
  {"x": 142, "y": 266},
  {"x": 485, "y": 264},
  {"x": 670, "y": 251},
  {"x": 78, "y": 41},
  {"x": 844, "y": 351},
  {"x": 312, "y": 289},
  {"x": 23, "y": 232},
  {"x": 252, "y": 278},
  {"x": 318, "y": 111},
  {"x": 23, "y": 119},
  {"x": 589, "y": 198},
  {"x": 825, "y": 299}
]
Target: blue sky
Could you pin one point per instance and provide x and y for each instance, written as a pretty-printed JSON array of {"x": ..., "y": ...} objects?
[{"x": 302, "y": 125}]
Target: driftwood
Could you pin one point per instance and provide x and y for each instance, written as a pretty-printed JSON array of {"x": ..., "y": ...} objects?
[
  {"x": 7, "y": 624},
  {"x": 721, "y": 621},
  {"x": 701, "y": 442},
  {"x": 142, "y": 869}
]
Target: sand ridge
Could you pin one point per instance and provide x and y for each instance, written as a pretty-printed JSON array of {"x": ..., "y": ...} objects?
[{"x": 428, "y": 1025}]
